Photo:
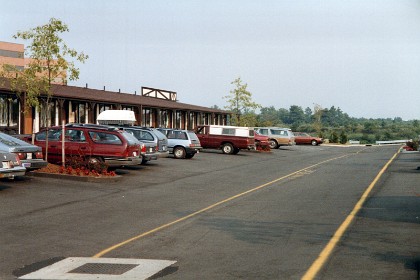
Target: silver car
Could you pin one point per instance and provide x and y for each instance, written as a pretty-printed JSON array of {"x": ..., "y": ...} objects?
[
  {"x": 182, "y": 143},
  {"x": 156, "y": 142},
  {"x": 30, "y": 155},
  {"x": 10, "y": 166}
]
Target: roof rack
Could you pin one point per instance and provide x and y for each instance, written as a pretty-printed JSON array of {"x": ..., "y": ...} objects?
[{"x": 90, "y": 125}]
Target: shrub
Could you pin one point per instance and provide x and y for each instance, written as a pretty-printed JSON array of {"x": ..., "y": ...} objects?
[{"x": 81, "y": 163}]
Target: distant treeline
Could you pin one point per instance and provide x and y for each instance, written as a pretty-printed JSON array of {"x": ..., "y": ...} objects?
[{"x": 333, "y": 124}]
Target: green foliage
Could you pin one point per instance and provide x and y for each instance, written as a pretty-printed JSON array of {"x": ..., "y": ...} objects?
[
  {"x": 343, "y": 137},
  {"x": 338, "y": 126},
  {"x": 48, "y": 62},
  {"x": 240, "y": 102}
]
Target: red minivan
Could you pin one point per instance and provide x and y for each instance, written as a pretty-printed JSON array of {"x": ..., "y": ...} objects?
[{"x": 97, "y": 143}]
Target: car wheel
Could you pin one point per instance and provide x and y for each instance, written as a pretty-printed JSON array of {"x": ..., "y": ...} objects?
[
  {"x": 179, "y": 152},
  {"x": 144, "y": 161},
  {"x": 314, "y": 143},
  {"x": 227, "y": 148},
  {"x": 273, "y": 144},
  {"x": 189, "y": 156},
  {"x": 94, "y": 160}
]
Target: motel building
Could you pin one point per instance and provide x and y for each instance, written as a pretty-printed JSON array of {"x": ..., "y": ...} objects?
[{"x": 69, "y": 104}]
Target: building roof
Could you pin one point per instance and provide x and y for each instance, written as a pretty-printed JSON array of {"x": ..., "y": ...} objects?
[{"x": 103, "y": 96}]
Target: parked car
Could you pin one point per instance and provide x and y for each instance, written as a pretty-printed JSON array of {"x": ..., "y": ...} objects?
[
  {"x": 277, "y": 136},
  {"x": 156, "y": 142},
  {"x": 29, "y": 155},
  {"x": 96, "y": 143},
  {"x": 230, "y": 139},
  {"x": 304, "y": 138},
  {"x": 261, "y": 142},
  {"x": 10, "y": 166},
  {"x": 182, "y": 143}
]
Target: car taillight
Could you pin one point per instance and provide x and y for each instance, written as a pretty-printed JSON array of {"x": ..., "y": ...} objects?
[
  {"x": 143, "y": 148},
  {"x": 39, "y": 155},
  {"x": 17, "y": 162},
  {"x": 21, "y": 155}
]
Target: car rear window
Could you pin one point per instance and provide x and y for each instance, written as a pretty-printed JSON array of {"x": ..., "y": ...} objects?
[
  {"x": 192, "y": 135},
  {"x": 130, "y": 138},
  {"x": 141, "y": 134}
]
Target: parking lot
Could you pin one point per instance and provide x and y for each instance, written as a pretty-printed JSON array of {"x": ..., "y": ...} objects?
[{"x": 249, "y": 216}]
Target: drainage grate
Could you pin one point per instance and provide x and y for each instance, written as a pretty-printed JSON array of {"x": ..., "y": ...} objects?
[{"x": 103, "y": 268}]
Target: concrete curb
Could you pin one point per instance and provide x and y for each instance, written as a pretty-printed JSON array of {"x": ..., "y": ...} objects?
[{"x": 115, "y": 178}]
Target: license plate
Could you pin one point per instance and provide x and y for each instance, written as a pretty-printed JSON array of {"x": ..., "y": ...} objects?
[
  {"x": 6, "y": 164},
  {"x": 26, "y": 164}
]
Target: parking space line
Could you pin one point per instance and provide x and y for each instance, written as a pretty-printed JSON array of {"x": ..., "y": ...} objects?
[
  {"x": 325, "y": 254},
  {"x": 100, "y": 254}
]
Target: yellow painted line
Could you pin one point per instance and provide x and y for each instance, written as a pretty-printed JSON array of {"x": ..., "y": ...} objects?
[
  {"x": 100, "y": 254},
  {"x": 327, "y": 251}
]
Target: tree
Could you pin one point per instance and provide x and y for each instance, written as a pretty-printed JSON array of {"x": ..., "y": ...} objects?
[
  {"x": 47, "y": 53},
  {"x": 296, "y": 116},
  {"x": 317, "y": 118},
  {"x": 268, "y": 116},
  {"x": 308, "y": 115},
  {"x": 239, "y": 101}
]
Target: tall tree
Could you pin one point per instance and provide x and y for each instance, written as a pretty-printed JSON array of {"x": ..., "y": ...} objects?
[
  {"x": 239, "y": 101},
  {"x": 318, "y": 111},
  {"x": 296, "y": 116},
  {"x": 50, "y": 60}
]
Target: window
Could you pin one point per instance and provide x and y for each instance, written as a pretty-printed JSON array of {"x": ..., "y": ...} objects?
[
  {"x": 75, "y": 135},
  {"x": 104, "y": 138},
  {"x": 177, "y": 135},
  {"x": 9, "y": 111},
  {"x": 228, "y": 131},
  {"x": 263, "y": 131},
  {"x": 141, "y": 134},
  {"x": 278, "y": 132},
  {"x": 53, "y": 135},
  {"x": 146, "y": 117},
  {"x": 46, "y": 121}
]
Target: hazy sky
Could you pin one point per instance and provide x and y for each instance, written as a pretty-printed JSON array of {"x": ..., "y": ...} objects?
[{"x": 362, "y": 56}]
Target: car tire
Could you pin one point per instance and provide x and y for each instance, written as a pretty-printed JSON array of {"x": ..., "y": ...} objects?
[
  {"x": 179, "y": 152},
  {"x": 189, "y": 156},
  {"x": 273, "y": 144},
  {"x": 236, "y": 151},
  {"x": 314, "y": 143},
  {"x": 144, "y": 161},
  {"x": 94, "y": 160},
  {"x": 227, "y": 148}
]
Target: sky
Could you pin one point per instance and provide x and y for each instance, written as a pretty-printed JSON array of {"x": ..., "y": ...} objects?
[{"x": 362, "y": 56}]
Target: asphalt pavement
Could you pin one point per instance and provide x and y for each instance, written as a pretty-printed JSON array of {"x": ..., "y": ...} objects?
[{"x": 249, "y": 216}]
